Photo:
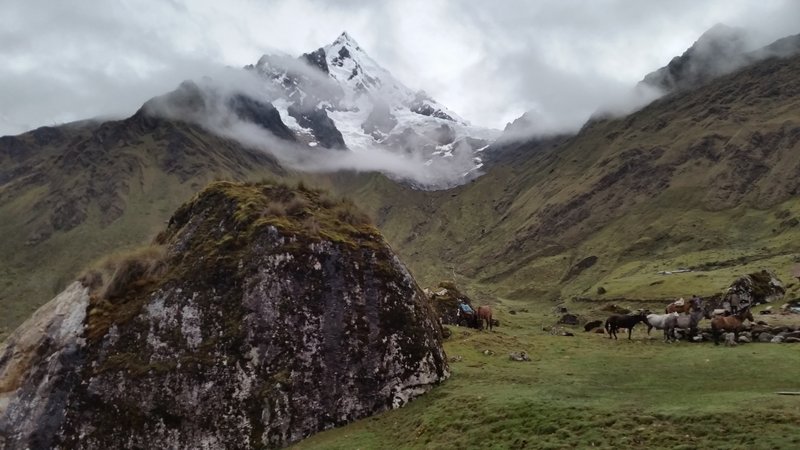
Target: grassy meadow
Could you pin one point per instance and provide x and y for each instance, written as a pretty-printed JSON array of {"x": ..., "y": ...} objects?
[{"x": 587, "y": 391}]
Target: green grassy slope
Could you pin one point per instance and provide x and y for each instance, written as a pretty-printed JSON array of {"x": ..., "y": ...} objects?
[
  {"x": 704, "y": 179},
  {"x": 589, "y": 392},
  {"x": 72, "y": 194}
]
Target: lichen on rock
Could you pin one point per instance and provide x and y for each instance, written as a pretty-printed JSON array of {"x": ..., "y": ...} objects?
[{"x": 275, "y": 313}]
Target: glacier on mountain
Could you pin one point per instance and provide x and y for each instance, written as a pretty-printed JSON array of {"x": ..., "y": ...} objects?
[{"x": 370, "y": 108}]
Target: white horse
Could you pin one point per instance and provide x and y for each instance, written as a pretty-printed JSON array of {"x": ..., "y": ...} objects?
[
  {"x": 684, "y": 322},
  {"x": 657, "y": 321}
]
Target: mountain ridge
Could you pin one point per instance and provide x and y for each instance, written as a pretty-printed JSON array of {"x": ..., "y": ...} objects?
[
  {"x": 719, "y": 51},
  {"x": 661, "y": 188},
  {"x": 543, "y": 204},
  {"x": 371, "y": 108}
]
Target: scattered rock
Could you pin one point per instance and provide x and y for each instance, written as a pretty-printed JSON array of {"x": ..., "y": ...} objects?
[
  {"x": 616, "y": 309},
  {"x": 761, "y": 329},
  {"x": 765, "y": 337},
  {"x": 599, "y": 330},
  {"x": 730, "y": 340},
  {"x": 569, "y": 319},
  {"x": 456, "y": 358},
  {"x": 446, "y": 333},
  {"x": 566, "y": 333},
  {"x": 592, "y": 325},
  {"x": 791, "y": 340},
  {"x": 519, "y": 356},
  {"x": 698, "y": 338},
  {"x": 601, "y": 290},
  {"x": 792, "y": 334},
  {"x": 512, "y": 312},
  {"x": 777, "y": 339},
  {"x": 488, "y": 352},
  {"x": 744, "y": 339}
]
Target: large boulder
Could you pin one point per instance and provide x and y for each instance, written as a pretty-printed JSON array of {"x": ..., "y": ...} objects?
[
  {"x": 592, "y": 325},
  {"x": 445, "y": 299},
  {"x": 569, "y": 319},
  {"x": 262, "y": 315},
  {"x": 755, "y": 288}
]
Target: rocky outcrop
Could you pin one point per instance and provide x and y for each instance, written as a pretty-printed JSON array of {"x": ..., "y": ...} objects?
[
  {"x": 37, "y": 370},
  {"x": 266, "y": 314},
  {"x": 754, "y": 289},
  {"x": 320, "y": 124},
  {"x": 260, "y": 113}
]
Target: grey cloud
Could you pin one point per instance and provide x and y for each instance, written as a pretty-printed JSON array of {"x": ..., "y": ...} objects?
[
  {"x": 566, "y": 60},
  {"x": 489, "y": 62}
]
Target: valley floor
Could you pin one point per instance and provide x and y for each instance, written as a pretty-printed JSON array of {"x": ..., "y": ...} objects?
[{"x": 589, "y": 392}]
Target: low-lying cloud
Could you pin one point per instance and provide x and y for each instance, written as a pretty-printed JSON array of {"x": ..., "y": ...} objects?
[{"x": 206, "y": 102}]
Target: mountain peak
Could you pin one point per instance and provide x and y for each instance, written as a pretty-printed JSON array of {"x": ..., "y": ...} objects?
[
  {"x": 722, "y": 40},
  {"x": 345, "y": 39},
  {"x": 720, "y": 30},
  {"x": 719, "y": 50}
]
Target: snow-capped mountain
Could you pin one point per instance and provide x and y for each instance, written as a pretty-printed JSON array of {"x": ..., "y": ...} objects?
[{"x": 338, "y": 97}]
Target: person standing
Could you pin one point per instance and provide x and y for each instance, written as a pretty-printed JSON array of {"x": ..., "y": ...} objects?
[
  {"x": 696, "y": 302},
  {"x": 734, "y": 303}
]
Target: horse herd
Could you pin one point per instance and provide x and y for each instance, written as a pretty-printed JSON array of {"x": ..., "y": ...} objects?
[{"x": 679, "y": 315}]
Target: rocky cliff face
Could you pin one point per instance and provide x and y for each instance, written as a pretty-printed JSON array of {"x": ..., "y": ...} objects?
[{"x": 265, "y": 314}]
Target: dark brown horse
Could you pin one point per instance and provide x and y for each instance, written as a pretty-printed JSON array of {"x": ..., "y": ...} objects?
[
  {"x": 730, "y": 323},
  {"x": 617, "y": 321},
  {"x": 484, "y": 313}
]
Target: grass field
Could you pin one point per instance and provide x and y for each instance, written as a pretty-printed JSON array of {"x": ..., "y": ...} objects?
[{"x": 589, "y": 392}]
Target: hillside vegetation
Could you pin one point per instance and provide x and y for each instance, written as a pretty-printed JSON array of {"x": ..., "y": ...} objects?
[
  {"x": 704, "y": 180},
  {"x": 72, "y": 194}
]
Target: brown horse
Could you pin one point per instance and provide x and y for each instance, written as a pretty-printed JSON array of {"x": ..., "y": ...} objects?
[
  {"x": 484, "y": 313},
  {"x": 730, "y": 323},
  {"x": 679, "y": 306}
]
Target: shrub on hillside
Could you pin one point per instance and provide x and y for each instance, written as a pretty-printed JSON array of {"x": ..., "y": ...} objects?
[{"x": 117, "y": 274}]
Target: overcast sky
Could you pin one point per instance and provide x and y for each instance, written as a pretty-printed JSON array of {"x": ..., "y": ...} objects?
[{"x": 488, "y": 61}]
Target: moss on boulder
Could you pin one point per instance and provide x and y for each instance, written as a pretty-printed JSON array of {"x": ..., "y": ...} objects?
[{"x": 275, "y": 312}]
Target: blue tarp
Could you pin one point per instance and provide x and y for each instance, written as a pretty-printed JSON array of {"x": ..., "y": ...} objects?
[{"x": 466, "y": 308}]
